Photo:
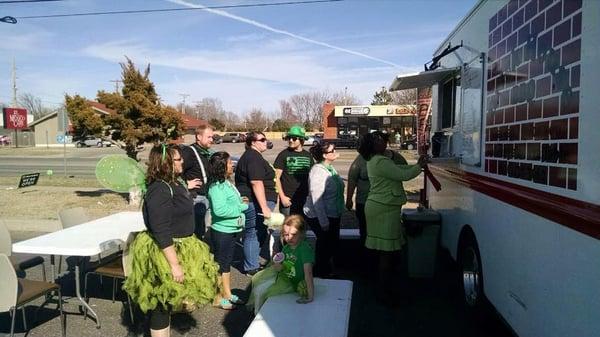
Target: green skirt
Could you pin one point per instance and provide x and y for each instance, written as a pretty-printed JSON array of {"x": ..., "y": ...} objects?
[
  {"x": 151, "y": 283},
  {"x": 384, "y": 227}
]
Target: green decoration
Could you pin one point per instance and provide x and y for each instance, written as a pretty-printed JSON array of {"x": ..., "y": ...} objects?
[
  {"x": 120, "y": 173},
  {"x": 49, "y": 173}
]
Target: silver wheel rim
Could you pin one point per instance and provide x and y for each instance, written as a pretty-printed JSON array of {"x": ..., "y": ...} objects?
[{"x": 471, "y": 276}]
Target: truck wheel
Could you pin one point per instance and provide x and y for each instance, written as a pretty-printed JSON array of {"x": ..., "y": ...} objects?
[
  {"x": 99, "y": 144},
  {"x": 78, "y": 144},
  {"x": 471, "y": 271},
  {"x": 234, "y": 141}
]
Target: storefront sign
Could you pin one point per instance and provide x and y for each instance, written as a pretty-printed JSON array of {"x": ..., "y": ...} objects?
[
  {"x": 15, "y": 118},
  {"x": 357, "y": 110}
]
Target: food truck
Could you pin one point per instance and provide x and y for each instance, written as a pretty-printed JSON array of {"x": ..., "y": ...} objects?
[{"x": 514, "y": 138}]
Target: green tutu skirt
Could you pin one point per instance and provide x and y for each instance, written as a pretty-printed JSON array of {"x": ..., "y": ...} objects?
[
  {"x": 151, "y": 283},
  {"x": 268, "y": 283}
]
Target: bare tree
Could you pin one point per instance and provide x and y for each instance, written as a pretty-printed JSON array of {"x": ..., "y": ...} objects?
[
  {"x": 344, "y": 98},
  {"x": 256, "y": 120},
  {"x": 33, "y": 105},
  {"x": 401, "y": 97},
  {"x": 287, "y": 112}
]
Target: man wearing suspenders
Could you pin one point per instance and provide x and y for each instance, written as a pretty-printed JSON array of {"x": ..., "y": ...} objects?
[{"x": 195, "y": 172}]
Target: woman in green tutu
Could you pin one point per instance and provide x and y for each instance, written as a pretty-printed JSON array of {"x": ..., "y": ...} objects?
[
  {"x": 170, "y": 268},
  {"x": 291, "y": 270}
]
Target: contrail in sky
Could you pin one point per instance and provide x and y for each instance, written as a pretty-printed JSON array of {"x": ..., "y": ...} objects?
[{"x": 280, "y": 31}]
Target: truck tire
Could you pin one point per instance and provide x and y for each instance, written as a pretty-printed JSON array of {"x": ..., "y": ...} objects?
[
  {"x": 234, "y": 140},
  {"x": 471, "y": 271},
  {"x": 78, "y": 144},
  {"x": 99, "y": 144}
]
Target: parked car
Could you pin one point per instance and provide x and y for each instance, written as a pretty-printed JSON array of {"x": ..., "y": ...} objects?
[
  {"x": 4, "y": 140},
  {"x": 312, "y": 140},
  {"x": 89, "y": 141},
  {"x": 217, "y": 139},
  {"x": 233, "y": 137}
]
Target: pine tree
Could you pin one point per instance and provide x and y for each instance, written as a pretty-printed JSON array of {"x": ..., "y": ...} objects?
[
  {"x": 83, "y": 118},
  {"x": 140, "y": 117},
  {"x": 382, "y": 97}
]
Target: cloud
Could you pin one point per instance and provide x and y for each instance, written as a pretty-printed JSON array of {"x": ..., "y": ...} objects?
[
  {"x": 31, "y": 41},
  {"x": 283, "y": 32}
]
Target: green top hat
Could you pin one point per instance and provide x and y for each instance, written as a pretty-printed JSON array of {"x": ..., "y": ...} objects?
[{"x": 297, "y": 131}]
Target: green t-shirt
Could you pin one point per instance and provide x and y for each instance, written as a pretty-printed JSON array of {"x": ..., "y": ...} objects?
[{"x": 295, "y": 258}]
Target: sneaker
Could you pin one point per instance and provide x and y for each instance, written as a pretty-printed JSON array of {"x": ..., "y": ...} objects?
[
  {"x": 234, "y": 299},
  {"x": 224, "y": 304}
]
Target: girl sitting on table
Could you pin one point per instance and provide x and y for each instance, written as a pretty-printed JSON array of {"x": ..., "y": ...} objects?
[
  {"x": 170, "y": 269},
  {"x": 291, "y": 269}
]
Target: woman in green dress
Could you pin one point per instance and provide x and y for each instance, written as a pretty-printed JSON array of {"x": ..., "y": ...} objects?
[{"x": 383, "y": 209}]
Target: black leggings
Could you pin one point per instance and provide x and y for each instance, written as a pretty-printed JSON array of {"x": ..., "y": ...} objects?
[
  {"x": 160, "y": 318},
  {"x": 326, "y": 246}
]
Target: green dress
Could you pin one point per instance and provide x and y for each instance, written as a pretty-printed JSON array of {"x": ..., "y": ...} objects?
[{"x": 383, "y": 209}]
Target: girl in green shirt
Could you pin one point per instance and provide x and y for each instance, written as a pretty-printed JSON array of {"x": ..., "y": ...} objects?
[{"x": 290, "y": 271}]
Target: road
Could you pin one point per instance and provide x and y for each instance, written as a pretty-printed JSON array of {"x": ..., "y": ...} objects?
[{"x": 81, "y": 162}]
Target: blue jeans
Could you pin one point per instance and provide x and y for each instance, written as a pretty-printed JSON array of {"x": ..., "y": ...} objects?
[
  {"x": 200, "y": 209},
  {"x": 255, "y": 237}
]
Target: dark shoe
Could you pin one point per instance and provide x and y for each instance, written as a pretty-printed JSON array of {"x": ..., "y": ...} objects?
[{"x": 252, "y": 272}]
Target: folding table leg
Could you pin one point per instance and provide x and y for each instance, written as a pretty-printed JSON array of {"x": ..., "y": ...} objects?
[{"x": 81, "y": 299}]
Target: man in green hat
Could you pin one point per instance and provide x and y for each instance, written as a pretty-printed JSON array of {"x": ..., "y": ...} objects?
[{"x": 291, "y": 168}]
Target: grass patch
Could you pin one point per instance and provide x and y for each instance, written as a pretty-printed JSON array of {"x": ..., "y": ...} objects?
[{"x": 43, "y": 202}]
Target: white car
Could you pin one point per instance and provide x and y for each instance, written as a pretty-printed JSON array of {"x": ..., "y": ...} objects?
[{"x": 89, "y": 141}]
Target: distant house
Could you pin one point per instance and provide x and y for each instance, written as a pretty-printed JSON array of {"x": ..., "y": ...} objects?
[
  {"x": 192, "y": 123},
  {"x": 46, "y": 128}
]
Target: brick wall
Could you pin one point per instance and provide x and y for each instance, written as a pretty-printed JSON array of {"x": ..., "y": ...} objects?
[
  {"x": 329, "y": 121},
  {"x": 533, "y": 92}
]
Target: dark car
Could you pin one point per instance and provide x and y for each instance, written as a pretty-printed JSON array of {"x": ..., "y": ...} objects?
[{"x": 233, "y": 137}]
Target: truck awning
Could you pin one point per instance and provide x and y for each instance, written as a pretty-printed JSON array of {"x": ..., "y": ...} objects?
[{"x": 423, "y": 79}]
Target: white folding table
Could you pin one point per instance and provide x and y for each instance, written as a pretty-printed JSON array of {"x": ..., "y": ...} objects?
[{"x": 88, "y": 239}]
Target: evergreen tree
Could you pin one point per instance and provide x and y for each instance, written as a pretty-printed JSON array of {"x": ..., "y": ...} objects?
[
  {"x": 83, "y": 118},
  {"x": 382, "y": 97},
  {"x": 140, "y": 117}
]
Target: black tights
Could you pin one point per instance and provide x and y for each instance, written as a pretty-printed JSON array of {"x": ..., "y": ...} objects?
[{"x": 160, "y": 318}]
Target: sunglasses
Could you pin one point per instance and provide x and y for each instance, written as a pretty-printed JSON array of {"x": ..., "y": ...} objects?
[
  {"x": 332, "y": 151},
  {"x": 292, "y": 138},
  {"x": 261, "y": 140}
]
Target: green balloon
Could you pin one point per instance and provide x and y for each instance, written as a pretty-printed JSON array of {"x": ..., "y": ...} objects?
[
  {"x": 120, "y": 173},
  {"x": 49, "y": 172}
]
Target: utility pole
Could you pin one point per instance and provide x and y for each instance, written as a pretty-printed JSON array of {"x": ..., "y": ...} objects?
[
  {"x": 14, "y": 80},
  {"x": 183, "y": 97},
  {"x": 116, "y": 84},
  {"x": 197, "y": 104}
]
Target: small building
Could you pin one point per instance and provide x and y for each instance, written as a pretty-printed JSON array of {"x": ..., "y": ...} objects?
[
  {"x": 46, "y": 128},
  {"x": 357, "y": 120}
]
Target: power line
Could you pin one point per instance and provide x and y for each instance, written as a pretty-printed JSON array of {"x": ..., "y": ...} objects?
[
  {"x": 24, "y": 1},
  {"x": 287, "y": 3}
]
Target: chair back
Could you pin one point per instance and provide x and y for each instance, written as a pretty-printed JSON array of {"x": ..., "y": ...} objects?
[
  {"x": 126, "y": 257},
  {"x": 5, "y": 239},
  {"x": 10, "y": 284},
  {"x": 70, "y": 217}
]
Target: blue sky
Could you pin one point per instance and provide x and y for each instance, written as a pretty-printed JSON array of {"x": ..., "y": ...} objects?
[{"x": 246, "y": 57}]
